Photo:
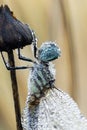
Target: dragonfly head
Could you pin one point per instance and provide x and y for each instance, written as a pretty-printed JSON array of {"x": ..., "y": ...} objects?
[{"x": 48, "y": 51}]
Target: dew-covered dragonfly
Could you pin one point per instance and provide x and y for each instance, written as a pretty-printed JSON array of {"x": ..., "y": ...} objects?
[{"x": 47, "y": 107}]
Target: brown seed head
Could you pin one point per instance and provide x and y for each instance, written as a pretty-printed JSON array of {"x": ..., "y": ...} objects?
[{"x": 13, "y": 33}]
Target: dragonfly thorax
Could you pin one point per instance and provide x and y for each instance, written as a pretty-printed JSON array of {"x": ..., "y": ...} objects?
[{"x": 41, "y": 77}]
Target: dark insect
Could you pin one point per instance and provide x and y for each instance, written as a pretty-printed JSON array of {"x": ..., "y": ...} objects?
[{"x": 14, "y": 34}]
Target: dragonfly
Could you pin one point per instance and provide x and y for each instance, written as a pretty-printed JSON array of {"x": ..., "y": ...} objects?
[{"x": 47, "y": 107}]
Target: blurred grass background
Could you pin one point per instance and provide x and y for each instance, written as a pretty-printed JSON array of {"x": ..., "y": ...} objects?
[{"x": 63, "y": 21}]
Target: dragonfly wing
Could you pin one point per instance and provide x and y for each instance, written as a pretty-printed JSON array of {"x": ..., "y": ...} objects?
[{"x": 55, "y": 111}]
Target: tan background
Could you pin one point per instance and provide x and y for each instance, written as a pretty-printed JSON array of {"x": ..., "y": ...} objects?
[{"x": 63, "y": 21}]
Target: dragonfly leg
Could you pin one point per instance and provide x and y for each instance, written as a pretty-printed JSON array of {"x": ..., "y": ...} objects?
[
  {"x": 13, "y": 67},
  {"x": 23, "y": 58},
  {"x": 34, "y": 44}
]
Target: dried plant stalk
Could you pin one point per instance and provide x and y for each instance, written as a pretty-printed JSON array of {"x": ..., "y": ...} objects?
[{"x": 15, "y": 91}]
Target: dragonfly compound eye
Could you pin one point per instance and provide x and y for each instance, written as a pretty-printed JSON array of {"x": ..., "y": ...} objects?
[{"x": 48, "y": 51}]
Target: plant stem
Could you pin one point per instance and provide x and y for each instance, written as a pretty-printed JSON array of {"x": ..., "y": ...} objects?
[{"x": 15, "y": 91}]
